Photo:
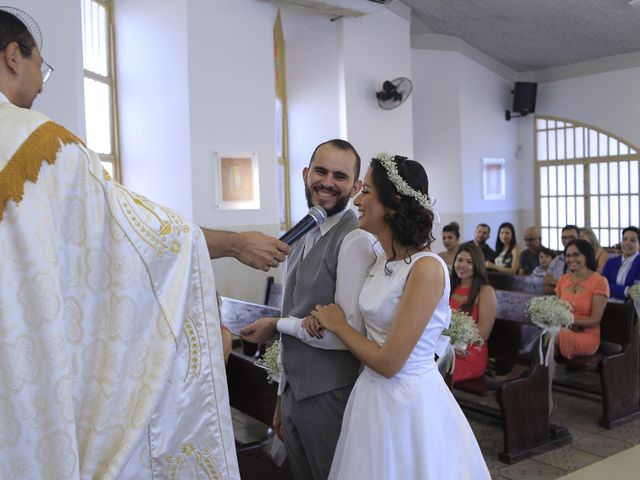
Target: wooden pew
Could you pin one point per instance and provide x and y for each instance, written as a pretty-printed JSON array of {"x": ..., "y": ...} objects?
[
  {"x": 252, "y": 394},
  {"x": 524, "y": 401},
  {"x": 516, "y": 283},
  {"x": 619, "y": 387}
]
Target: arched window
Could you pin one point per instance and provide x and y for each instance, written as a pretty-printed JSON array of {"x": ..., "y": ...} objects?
[{"x": 585, "y": 177}]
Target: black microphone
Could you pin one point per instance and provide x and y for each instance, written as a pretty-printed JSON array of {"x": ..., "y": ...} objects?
[{"x": 315, "y": 217}]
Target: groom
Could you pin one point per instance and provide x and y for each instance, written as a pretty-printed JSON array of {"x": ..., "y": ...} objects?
[{"x": 328, "y": 265}]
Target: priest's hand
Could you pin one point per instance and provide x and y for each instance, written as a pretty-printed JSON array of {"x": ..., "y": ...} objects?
[
  {"x": 254, "y": 249},
  {"x": 260, "y": 331},
  {"x": 261, "y": 251}
]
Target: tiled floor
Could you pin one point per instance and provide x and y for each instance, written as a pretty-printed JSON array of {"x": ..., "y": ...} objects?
[{"x": 591, "y": 443}]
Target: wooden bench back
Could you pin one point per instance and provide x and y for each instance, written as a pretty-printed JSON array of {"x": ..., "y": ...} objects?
[
  {"x": 516, "y": 283},
  {"x": 617, "y": 323},
  {"x": 512, "y": 331}
]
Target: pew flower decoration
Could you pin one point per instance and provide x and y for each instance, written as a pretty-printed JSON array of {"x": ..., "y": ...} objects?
[
  {"x": 462, "y": 331},
  {"x": 270, "y": 360},
  {"x": 634, "y": 293},
  {"x": 551, "y": 314}
]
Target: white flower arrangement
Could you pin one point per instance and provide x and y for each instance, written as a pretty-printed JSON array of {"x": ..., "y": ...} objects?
[
  {"x": 270, "y": 360},
  {"x": 463, "y": 330},
  {"x": 401, "y": 185},
  {"x": 550, "y": 312}
]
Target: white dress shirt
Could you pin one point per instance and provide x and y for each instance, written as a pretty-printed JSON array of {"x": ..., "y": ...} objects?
[{"x": 625, "y": 266}]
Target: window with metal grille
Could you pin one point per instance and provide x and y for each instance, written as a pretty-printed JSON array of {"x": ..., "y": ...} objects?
[
  {"x": 585, "y": 177},
  {"x": 99, "y": 83}
]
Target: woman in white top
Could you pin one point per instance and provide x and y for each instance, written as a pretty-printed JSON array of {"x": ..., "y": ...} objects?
[
  {"x": 507, "y": 258},
  {"x": 401, "y": 421}
]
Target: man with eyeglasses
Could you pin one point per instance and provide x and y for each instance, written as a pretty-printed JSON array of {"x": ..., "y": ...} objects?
[
  {"x": 558, "y": 265},
  {"x": 110, "y": 347},
  {"x": 529, "y": 256}
]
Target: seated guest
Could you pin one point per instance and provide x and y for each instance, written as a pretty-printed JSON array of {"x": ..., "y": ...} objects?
[
  {"x": 587, "y": 292},
  {"x": 507, "y": 259},
  {"x": 601, "y": 255},
  {"x": 545, "y": 257},
  {"x": 450, "y": 239},
  {"x": 480, "y": 237},
  {"x": 471, "y": 293},
  {"x": 529, "y": 256},
  {"x": 558, "y": 267},
  {"x": 623, "y": 271}
]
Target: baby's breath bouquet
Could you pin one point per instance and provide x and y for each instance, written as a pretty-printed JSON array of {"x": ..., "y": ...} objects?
[
  {"x": 551, "y": 314},
  {"x": 270, "y": 360},
  {"x": 634, "y": 293},
  {"x": 463, "y": 330}
]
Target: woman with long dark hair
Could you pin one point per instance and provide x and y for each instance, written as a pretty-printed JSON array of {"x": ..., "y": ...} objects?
[
  {"x": 507, "y": 259},
  {"x": 587, "y": 291},
  {"x": 401, "y": 420},
  {"x": 472, "y": 294},
  {"x": 450, "y": 240}
]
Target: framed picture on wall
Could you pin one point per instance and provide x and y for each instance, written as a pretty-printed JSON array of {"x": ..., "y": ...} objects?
[
  {"x": 237, "y": 185},
  {"x": 493, "y": 178}
]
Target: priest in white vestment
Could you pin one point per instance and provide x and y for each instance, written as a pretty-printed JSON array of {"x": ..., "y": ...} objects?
[{"x": 110, "y": 352}]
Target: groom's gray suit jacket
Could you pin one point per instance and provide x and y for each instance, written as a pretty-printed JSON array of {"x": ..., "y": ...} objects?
[{"x": 311, "y": 281}]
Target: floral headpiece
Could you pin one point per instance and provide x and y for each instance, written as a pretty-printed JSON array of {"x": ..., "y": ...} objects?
[{"x": 401, "y": 185}]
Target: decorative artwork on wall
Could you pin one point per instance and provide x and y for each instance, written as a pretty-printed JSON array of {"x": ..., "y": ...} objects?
[
  {"x": 237, "y": 185},
  {"x": 493, "y": 178}
]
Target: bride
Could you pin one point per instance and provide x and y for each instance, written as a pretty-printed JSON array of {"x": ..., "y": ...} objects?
[{"x": 401, "y": 420}]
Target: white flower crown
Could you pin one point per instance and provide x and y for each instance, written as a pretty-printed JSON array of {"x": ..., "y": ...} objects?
[{"x": 401, "y": 185}]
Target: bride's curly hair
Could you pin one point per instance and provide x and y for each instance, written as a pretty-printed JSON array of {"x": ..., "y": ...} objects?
[{"x": 411, "y": 223}]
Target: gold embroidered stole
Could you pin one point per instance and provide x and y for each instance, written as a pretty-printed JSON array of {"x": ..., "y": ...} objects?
[{"x": 42, "y": 145}]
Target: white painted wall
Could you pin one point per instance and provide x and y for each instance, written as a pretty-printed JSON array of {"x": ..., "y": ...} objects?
[
  {"x": 63, "y": 96},
  {"x": 484, "y": 96},
  {"x": 313, "y": 90},
  {"x": 153, "y": 100},
  {"x": 376, "y": 48},
  {"x": 436, "y": 127},
  {"x": 232, "y": 101},
  {"x": 459, "y": 119}
]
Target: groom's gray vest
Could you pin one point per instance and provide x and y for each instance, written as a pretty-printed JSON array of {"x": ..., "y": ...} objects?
[{"x": 312, "y": 281}]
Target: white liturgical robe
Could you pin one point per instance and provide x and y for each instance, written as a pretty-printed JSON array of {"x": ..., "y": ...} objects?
[{"x": 110, "y": 352}]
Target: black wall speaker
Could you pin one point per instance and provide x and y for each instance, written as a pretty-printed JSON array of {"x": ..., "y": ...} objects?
[{"x": 524, "y": 97}]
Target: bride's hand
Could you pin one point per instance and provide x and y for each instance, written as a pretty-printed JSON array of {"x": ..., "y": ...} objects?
[{"x": 330, "y": 316}]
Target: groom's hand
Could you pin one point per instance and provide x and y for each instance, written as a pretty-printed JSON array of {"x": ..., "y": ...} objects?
[{"x": 260, "y": 331}]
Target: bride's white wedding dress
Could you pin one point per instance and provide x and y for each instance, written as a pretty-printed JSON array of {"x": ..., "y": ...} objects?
[{"x": 408, "y": 426}]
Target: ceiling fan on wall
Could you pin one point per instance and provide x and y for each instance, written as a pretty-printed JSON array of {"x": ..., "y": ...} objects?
[{"x": 394, "y": 93}]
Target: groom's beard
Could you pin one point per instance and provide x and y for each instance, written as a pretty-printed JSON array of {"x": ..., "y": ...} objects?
[{"x": 341, "y": 202}]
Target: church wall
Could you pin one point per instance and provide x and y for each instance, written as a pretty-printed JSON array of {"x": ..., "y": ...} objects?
[
  {"x": 375, "y": 48},
  {"x": 485, "y": 133},
  {"x": 313, "y": 91},
  {"x": 153, "y": 100},
  {"x": 459, "y": 119}
]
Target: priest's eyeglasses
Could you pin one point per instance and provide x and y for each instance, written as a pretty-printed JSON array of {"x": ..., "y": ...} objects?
[{"x": 45, "y": 68}]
